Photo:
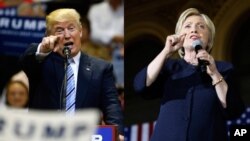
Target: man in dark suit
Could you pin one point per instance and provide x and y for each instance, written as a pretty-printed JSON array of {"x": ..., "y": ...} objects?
[{"x": 93, "y": 79}]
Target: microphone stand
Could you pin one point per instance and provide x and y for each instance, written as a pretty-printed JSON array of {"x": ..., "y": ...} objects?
[{"x": 66, "y": 52}]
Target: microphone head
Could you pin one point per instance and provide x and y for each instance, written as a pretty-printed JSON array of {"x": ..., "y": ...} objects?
[
  {"x": 66, "y": 49},
  {"x": 197, "y": 44}
]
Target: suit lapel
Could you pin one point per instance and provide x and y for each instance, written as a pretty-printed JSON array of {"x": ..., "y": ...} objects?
[
  {"x": 83, "y": 80},
  {"x": 58, "y": 63}
]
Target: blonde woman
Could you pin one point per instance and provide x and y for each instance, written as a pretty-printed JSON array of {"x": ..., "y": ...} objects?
[
  {"x": 195, "y": 102},
  {"x": 16, "y": 92}
]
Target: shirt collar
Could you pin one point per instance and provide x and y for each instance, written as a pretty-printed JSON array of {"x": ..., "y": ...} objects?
[{"x": 77, "y": 58}]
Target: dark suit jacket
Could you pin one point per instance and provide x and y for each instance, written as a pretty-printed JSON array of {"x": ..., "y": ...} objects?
[
  {"x": 95, "y": 88},
  {"x": 190, "y": 108}
]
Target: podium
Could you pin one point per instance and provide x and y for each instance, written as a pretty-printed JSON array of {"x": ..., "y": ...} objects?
[{"x": 106, "y": 133}]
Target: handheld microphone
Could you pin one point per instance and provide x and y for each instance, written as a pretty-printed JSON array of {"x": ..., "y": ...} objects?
[{"x": 197, "y": 45}]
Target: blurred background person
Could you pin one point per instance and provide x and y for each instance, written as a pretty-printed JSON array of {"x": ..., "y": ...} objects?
[
  {"x": 16, "y": 92},
  {"x": 107, "y": 28},
  {"x": 25, "y": 9},
  {"x": 5, "y": 3},
  {"x": 90, "y": 47},
  {"x": 39, "y": 10}
]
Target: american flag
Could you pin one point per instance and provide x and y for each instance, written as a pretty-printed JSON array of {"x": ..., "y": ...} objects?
[
  {"x": 139, "y": 132},
  {"x": 143, "y": 131}
]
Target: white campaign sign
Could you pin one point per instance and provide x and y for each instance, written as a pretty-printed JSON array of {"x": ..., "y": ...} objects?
[{"x": 47, "y": 126}]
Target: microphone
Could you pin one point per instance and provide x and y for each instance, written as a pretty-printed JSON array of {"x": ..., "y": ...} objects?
[
  {"x": 66, "y": 50},
  {"x": 197, "y": 45}
]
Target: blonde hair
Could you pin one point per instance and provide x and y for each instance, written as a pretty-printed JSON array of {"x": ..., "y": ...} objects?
[
  {"x": 191, "y": 12},
  {"x": 62, "y": 15}
]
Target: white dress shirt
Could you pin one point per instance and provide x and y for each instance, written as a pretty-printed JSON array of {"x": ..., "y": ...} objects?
[{"x": 75, "y": 65}]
